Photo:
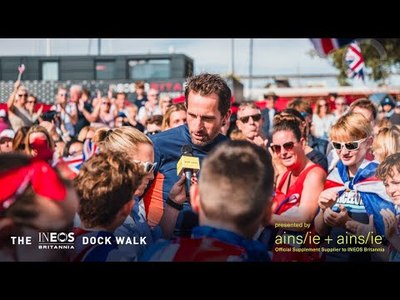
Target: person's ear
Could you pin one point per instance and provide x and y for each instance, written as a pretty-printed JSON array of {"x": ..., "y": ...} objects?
[
  {"x": 195, "y": 198},
  {"x": 303, "y": 142}
]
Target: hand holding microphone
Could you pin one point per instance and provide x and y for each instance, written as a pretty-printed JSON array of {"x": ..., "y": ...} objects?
[{"x": 188, "y": 165}]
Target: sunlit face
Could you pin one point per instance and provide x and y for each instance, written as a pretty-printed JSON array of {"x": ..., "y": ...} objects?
[
  {"x": 61, "y": 97},
  {"x": 250, "y": 122},
  {"x": 392, "y": 186},
  {"x": 120, "y": 100},
  {"x": 322, "y": 105},
  {"x": 387, "y": 107},
  {"x": 204, "y": 119},
  {"x": 30, "y": 103},
  {"x": 177, "y": 118},
  {"x": 75, "y": 149},
  {"x": 6, "y": 144},
  {"x": 105, "y": 105},
  {"x": 22, "y": 96},
  {"x": 145, "y": 153},
  {"x": 352, "y": 157},
  {"x": 74, "y": 95},
  {"x": 288, "y": 154},
  {"x": 270, "y": 102}
]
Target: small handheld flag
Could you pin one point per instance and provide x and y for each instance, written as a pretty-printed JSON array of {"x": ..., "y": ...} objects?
[{"x": 21, "y": 70}]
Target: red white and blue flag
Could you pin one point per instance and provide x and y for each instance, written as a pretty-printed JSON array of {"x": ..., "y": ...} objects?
[
  {"x": 326, "y": 45},
  {"x": 355, "y": 61},
  {"x": 370, "y": 188}
]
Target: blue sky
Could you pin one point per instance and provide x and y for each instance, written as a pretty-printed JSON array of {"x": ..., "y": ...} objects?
[{"x": 270, "y": 56}]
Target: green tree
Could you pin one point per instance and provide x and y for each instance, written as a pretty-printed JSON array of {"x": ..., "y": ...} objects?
[{"x": 381, "y": 56}]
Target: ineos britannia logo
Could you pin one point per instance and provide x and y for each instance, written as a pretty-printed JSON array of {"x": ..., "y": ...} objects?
[{"x": 56, "y": 240}]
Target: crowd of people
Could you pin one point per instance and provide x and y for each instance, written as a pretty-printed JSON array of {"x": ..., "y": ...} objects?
[{"x": 106, "y": 168}]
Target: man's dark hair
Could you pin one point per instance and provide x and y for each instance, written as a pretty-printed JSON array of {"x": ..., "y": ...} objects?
[
  {"x": 236, "y": 182},
  {"x": 206, "y": 84}
]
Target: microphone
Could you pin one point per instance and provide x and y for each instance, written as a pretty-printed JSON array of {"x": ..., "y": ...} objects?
[{"x": 186, "y": 165}]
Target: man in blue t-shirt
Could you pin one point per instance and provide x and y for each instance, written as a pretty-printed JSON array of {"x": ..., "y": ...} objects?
[{"x": 208, "y": 100}]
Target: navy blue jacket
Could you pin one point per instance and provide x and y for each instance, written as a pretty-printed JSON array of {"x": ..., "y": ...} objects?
[{"x": 167, "y": 148}]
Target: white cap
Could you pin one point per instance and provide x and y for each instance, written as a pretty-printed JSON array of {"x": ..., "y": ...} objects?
[{"x": 8, "y": 133}]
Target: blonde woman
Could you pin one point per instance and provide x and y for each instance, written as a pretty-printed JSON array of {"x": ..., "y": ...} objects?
[
  {"x": 174, "y": 116},
  {"x": 386, "y": 142},
  {"x": 38, "y": 143}
]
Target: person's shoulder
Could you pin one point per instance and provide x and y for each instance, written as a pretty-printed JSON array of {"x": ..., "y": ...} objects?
[
  {"x": 316, "y": 172},
  {"x": 167, "y": 135},
  {"x": 221, "y": 138}
]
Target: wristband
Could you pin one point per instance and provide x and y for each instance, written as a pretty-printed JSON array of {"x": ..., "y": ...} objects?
[{"x": 174, "y": 204}]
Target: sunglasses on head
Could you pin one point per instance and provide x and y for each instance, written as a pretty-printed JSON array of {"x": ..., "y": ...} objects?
[
  {"x": 147, "y": 166},
  {"x": 287, "y": 146},
  {"x": 348, "y": 145},
  {"x": 255, "y": 118}
]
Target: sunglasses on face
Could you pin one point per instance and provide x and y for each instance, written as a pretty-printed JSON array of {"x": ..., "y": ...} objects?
[
  {"x": 147, "y": 166},
  {"x": 255, "y": 118},
  {"x": 23, "y": 95},
  {"x": 287, "y": 146},
  {"x": 349, "y": 145}
]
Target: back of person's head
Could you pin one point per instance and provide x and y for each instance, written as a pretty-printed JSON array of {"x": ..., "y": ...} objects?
[
  {"x": 19, "y": 139},
  {"x": 123, "y": 139},
  {"x": 33, "y": 194},
  {"x": 350, "y": 127},
  {"x": 386, "y": 142},
  {"x": 237, "y": 135},
  {"x": 236, "y": 185},
  {"x": 139, "y": 84},
  {"x": 301, "y": 106},
  {"x": 206, "y": 84},
  {"x": 104, "y": 185},
  {"x": 365, "y": 104}
]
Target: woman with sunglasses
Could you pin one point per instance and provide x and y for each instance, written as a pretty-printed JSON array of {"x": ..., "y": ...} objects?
[
  {"x": 140, "y": 149},
  {"x": 18, "y": 116},
  {"x": 352, "y": 192},
  {"x": 296, "y": 200}
]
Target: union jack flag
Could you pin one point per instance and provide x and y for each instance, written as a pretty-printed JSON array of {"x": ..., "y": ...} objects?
[
  {"x": 371, "y": 190},
  {"x": 326, "y": 45},
  {"x": 354, "y": 61}
]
